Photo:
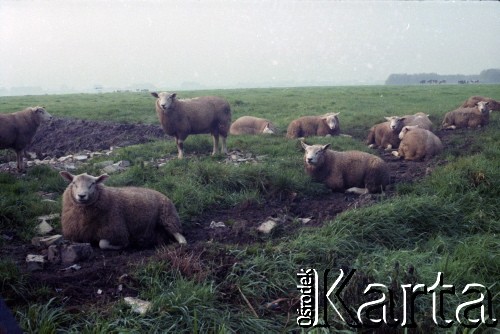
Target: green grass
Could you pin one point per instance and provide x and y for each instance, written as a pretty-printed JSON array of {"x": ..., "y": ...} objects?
[{"x": 448, "y": 222}]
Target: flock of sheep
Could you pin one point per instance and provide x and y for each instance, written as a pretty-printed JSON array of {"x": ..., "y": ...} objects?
[{"x": 115, "y": 218}]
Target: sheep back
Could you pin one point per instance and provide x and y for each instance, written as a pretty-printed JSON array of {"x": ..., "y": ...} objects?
[
  {"x": 420, "y": 119},
  {"x": 307, "y": 126},
  {"x": 340, "y": 171},
  {"x": 249, "y": 125},
  {"x": 419, "y": 144},
  {"x": 472, "y": 101},
  {"x": 128, "y": 216}
]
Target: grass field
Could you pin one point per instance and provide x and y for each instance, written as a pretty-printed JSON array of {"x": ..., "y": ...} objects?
[{"x": 447, "y": 222}]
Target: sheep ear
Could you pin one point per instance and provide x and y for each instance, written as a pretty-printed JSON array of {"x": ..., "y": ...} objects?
[
  {"x": 102, "y": 178},
  {"x": 155, "y": 94},
  {"x": 304, "y": 145},
  {"x": 325, "y": 147},
  {"x": 173, "y": 95},
  {"x": 336, "y": 114},
  {"x": 67, "y": 176},
  {"x": 388, "y": 118},
  {"x": 402, "y": 118}
]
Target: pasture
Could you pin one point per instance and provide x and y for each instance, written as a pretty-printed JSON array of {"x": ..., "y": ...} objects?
[{"x": 440, "y": 215}]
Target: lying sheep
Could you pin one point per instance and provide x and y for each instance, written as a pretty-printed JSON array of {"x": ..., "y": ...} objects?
[
  {"x": 249, "y": 125},
  {"x": 472, "y": 101},
  {"x": 307, "y": 126},
  {"x": 418, "y": 144},
  {"x": 115, "y": 218},
  {"x": 386, "y": 134},
  {"x": 17, "y": 130},
  {"x": 467, "y": 117},
  {"x": 180, "y": 118},
  {"x": 420, "y": 119},
  {"x": 351, "y": 171}
]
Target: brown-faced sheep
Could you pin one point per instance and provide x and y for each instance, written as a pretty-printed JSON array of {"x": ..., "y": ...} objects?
[
  {"x": 249, "y": 125},
  {"x": 467, "y": 117},
  {"x": 116, "y": 218},
  {"x": 307, "y": 126},
  {"x": 420, "y": 119},
  {"x": 17, "y": 130},
  {"x": 351, "y": 171},
  {"x": 386, "y": 134},
  {"x": 472, "y": 101},
  {"x": 180, "y": 118},
  {"x": 418, "y": 144}
]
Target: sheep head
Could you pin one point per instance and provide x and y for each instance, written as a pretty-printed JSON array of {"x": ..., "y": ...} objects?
[
  {"x": 165, "y": 100},
  {"x": 83, "y": 186},
  {"x": 314, "y": 153},
  {"x": 395, "y": 123},
  {"x": 483, "y": 107},
  {"x": 331, "y": 120},
  {"x": 405, "y": 129},
  {"x": 42, "y": 114},
  {"x": 268, "y": 129}
]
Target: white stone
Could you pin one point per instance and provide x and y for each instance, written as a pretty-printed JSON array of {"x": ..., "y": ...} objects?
[
  {"x": 44, "y": 228},
  {"x": 138, "y": 305},
  {"x": 267, "y": 226},
  {"x": 214, "y": 224}
]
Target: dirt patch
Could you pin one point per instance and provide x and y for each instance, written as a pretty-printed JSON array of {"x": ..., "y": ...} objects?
[{"x": 106, "y": 277}]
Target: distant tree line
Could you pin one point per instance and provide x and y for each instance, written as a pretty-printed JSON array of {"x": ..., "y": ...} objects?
[{"x": 487, "y": 76}]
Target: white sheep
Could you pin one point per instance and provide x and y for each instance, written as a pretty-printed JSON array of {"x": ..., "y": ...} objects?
[
  {"x": 115, "y": 218},
  {"x": 467, "y": 117},
  {"x": 351, "y": 171},
  {"x": 418, "y": 144},
  {"x": 249, "y": 125},
  {"x": 182, "y": 117},
  {"x": 386, "y": 134},
  {"x": 307, "y": 126},
  {"x": 17, "y": 130},
  {"x": 420, "y": 119}
]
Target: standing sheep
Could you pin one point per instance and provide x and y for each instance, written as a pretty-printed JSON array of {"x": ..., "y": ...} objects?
[
  {"x": 386, "y": 134},
  {"x": 472, "y": 101},
  {"x": 206, "y": 114},
  {"x": 307, "y": 126},
  {"x": 249, "y": 125},
  {"x": 351, "y": 171},
  {"x": 115, "y": 218},
  {"x": 418, "y": 144},
  {"x": 467, "y": 117},
  {"x": 17, "y": 130}
]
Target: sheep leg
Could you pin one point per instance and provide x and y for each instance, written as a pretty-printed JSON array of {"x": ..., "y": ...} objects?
[
  {"x": 20, "y": 162},
  {"x": 216, "y": 144},
  {"x": 180, "y": 147},
  {"x": 105, "y": 244},
  {"x": 180, "y": 238},
  {"x": 356, "y": 190},
  {"x": 224, "y": 146}
]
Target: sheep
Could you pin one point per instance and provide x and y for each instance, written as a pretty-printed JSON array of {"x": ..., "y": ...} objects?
[
  {"x": 350, "y": 171},
  {"x": 250, "y": 125},
  {"x": 182, "y": 117},
  {"x": 116, "y": 218},
  {"x": 472, "y": 101},
  {"x": 385, "y": 135},
  {"x": 17, "y": 130},
  {"x": 306, "y": 126},
  {"x": 420, "y": 119},
  {"x": 467, "y": 117},
  {"x": 417, "y": 144}
]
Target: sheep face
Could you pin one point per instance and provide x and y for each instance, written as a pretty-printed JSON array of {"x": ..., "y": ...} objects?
[
  {"x": 332, "y": 121},
  {"x": 314, "y": 153},
  {"x": 395, "y": 123},
  {"x": 268, "y": 129},
  {"x": 165, "y": 100},
  {"x": 42, "y": 114},
  {"x": 482, "y": 106},
  {"x": 83, "y": 186}
]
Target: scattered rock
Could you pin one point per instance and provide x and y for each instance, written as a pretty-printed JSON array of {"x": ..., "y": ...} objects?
[
  {"x": 35, "y": 262},
  {"x": 47, "y": 241},
  {"x": 44, "y": 228},
  {"x": 214, "y": 224},
  {"x": 267, "y": 226},
  {"x": 138, "y": 305},
  {"x": 71, "y": 253}
]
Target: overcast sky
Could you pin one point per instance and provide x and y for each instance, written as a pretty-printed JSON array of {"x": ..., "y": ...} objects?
[{"x": 220, "y": 44}]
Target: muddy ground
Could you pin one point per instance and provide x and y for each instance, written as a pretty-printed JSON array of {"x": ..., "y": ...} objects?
[{"x": 106, "y": 277}]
